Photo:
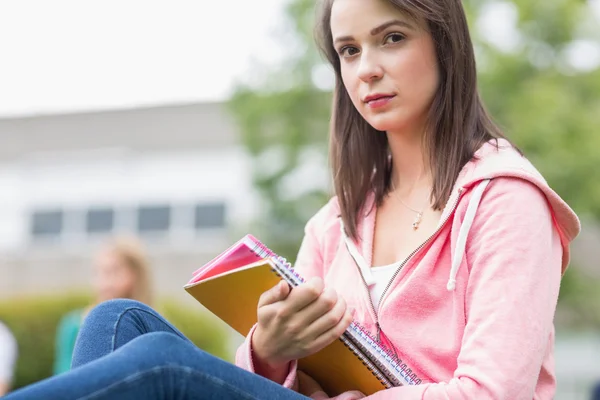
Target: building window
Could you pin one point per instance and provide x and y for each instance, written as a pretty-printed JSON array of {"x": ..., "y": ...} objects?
[
  {"x": 153, "y": 219},
  {"x": 210, "y": 216},
  {"x": 47, "y": 223},
  {"x": 100, "y": 220}
]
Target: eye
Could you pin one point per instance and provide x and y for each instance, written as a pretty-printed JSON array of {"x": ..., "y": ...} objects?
[
  {"x": 394, "y": 38},
  {"x": 348, "y": 51}
]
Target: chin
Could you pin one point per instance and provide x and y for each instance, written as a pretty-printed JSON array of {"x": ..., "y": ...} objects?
[{"x": 385, "y": 122}]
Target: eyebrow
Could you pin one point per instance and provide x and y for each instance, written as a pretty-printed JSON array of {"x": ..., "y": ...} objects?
[{"x": 377, "y": 30}]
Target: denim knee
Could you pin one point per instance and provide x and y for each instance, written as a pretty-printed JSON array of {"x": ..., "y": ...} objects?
[
  {"x": 110, "y": 325},
  {"x": 117, "y": 306},
  {"x": 109, "y": 310},
  {"x": 168, "y": 349}
]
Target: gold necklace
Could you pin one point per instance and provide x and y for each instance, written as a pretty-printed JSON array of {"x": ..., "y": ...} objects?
[{"x": 418, "y": 217}]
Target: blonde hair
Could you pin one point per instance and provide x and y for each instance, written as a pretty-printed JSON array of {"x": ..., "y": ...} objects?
[{"x": 131, "y": 251}]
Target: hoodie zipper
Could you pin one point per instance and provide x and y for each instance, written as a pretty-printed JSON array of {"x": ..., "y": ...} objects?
[{"x": 401, "y": 266}]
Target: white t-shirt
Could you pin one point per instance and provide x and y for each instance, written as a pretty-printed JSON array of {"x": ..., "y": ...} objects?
[
  {"x": 381, "y": 276},
  {"x": 8, "y": 354}
]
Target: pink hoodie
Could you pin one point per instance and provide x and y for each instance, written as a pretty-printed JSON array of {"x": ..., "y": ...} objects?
[{"x": 471, "y": 312}]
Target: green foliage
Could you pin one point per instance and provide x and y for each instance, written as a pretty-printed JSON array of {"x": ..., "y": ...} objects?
[
  {"x": 550, "y": 110},
  {"x": 579, "y": 293},
  {"x": 33, "y": 321},
  {"x": 282, "y": 120}
]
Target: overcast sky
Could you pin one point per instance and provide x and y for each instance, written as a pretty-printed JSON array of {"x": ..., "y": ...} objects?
[
  {"x": 62, "y": 55},
  {"x": 65, "y": 55}
]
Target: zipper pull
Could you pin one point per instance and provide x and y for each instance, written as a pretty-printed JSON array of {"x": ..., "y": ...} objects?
[{"x": 378, "y": 332}]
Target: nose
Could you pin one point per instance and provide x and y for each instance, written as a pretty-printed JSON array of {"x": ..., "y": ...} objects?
[{"x": 369, "y": 69}]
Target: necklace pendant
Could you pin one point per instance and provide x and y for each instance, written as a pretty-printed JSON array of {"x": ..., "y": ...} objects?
[{"x": 417, "y": 221}]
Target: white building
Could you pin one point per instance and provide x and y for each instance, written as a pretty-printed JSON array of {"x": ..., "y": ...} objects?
[{"x": 175, "y": 175}]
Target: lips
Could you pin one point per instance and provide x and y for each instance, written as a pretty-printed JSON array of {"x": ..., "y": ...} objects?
[
  {"x": 378, "y": 100},
  {"x": 375, "y": 97}
]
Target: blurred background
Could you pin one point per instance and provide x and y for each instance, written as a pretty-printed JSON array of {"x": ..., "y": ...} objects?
[{"x": 187, "y": 124}]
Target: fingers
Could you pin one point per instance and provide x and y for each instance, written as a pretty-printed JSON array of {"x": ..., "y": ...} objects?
[
  {"x": 307, "y": 385},
  {"x": 327, "y": 320},
  {"x": 326, "y": 302},
  {"x": 277, "y": 293},
  {"x": 354, "y": 395},
  {"x": 334, "y": 333},
  {"x": 304, "y": 294},
  {"x": 321, "y": 395}
]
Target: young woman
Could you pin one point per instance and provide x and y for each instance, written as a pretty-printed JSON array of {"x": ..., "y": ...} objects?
[
  {"x": 121, "y": 270},
  {"x": 442, "y": 240}
]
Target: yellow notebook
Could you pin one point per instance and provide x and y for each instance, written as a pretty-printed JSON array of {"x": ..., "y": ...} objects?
[{"x": 230, "y": 287}]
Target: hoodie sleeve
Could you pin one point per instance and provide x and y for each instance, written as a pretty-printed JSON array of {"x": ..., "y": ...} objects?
[
  {"x": 309, "y": 263},
  {"x": 514, "y": 258},
  {"x": 243, "y": 359}
]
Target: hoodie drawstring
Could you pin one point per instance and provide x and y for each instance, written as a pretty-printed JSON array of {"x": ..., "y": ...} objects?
[
  {"x": 358, "y": 259},
  {"x": 461, "y": 243},
  {"x": 459, "y": 251}
]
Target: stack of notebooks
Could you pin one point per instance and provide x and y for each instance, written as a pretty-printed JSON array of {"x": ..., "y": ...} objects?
[{"x": 230, "y": 286}]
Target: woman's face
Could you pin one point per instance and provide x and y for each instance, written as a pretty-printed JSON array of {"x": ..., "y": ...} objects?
[
  {"x": 388, "y": 63},
  {"x": 112, "y": 277}
]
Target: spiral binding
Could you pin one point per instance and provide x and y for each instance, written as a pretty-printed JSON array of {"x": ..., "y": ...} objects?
[
  {"x": 285, "y": 267},
  {"x": 381, "y": 377},
  {"x": 387, "y": 368},
  {"x": 393, "y": 367}
]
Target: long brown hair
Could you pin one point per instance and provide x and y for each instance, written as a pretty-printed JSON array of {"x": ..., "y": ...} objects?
[{"x": 457, "y": 124}]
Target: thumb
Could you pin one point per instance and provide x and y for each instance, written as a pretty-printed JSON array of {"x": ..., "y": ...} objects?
[
  {"x": 277, "y": 293},
  {"x": 351, "y": 395},
  {"x": 357, "y": 394}
]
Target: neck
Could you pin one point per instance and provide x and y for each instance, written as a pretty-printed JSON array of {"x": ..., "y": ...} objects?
[{"x": 410, "y": 172}]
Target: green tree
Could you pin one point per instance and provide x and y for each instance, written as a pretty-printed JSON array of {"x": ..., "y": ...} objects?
[
  {"x": 282, "y": 121},
  {"x": 549, "y": 108}
]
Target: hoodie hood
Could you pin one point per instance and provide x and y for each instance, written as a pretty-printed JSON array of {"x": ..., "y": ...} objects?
[{"x": 503, "y": 160}]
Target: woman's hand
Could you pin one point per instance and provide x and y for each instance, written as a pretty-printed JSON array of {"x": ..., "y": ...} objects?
[
  {"x": 309, "y": 387},
  {"x": 293, "y": 324}
]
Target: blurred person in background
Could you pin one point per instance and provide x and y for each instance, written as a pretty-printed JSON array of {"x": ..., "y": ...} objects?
[
  {"x": 8, "y": 358},
  {"x": 121, "y": 270}
]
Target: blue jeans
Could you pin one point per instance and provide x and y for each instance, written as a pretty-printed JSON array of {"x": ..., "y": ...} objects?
[
  {"x": 126, "y": 350},
  {"x": 596, "y": 392}
]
